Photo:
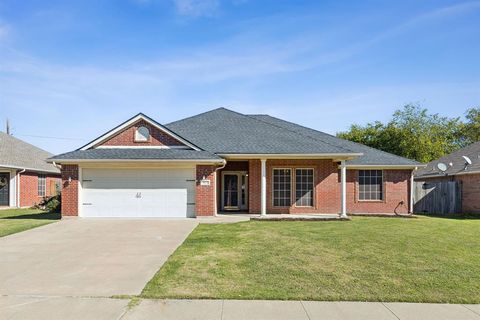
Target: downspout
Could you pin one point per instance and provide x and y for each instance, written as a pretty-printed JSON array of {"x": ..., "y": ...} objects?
[
  {"x": 412, "y": 184},
  {"x": 216, "y": 186},
  {"x": 56, "y": 165},
  {"x": 18, "y": 186}
]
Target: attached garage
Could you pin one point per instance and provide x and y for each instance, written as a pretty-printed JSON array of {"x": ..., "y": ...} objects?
[{"x": 137, "y": 193}]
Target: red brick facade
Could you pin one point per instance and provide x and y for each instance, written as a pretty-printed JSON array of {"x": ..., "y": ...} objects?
[
  {"x": 69, "y": 190},
  {"x": 29, "y": 188},
  {"x": 205, "y": 194},
  {"x": 254, "y": 186},
  {"x": 326, "y": 191},
  {"x": 127, "y": 137},
  {"x": 470, "y": 192},
  {"x": 396, "y": 195}
]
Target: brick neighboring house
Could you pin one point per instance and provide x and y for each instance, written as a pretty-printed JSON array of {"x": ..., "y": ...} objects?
[
  {"x": 25, "y": 177},
  {"x": 458, "y": 170},
  {"x": 223, "y": 160}
]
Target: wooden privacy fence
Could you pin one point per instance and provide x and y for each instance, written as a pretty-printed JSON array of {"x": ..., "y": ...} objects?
[{"x": 442, "y": 197}]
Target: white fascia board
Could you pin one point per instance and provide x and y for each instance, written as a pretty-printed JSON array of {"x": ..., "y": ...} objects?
[
  {"x": 342, "y": 156},
  {"x": 387, "y": 166},
  {"x": 129, "y": 123}
]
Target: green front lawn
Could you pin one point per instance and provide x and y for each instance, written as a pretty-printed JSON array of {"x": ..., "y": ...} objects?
[
  {"x": 16, "y": 220},
  {"x": 366, "y": 259}
]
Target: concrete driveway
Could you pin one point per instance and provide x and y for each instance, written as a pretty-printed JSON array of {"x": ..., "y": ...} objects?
[{"x": 88, "y": 257}]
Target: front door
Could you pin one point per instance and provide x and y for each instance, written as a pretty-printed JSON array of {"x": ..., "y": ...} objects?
[
  {"x": 235, "y": 191},
  {"x": 4, "y": 189}
]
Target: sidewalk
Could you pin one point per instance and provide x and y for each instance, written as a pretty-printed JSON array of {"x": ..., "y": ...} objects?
[
  {"x": 301, "y": 310},
  {"x": 70, "y": 308}
]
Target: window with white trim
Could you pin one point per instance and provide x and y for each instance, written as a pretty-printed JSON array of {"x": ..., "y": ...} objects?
[
  {"x": 42, "y": 185},
  {"x": 282, "y": 187},
  {"x": 304, "y": 187},
  {"x": 142, "y": 134},
  {"x": 370, "y": 184}
]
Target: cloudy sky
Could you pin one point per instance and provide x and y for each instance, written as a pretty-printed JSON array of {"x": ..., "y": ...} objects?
[{"x": 70, "y": 70}]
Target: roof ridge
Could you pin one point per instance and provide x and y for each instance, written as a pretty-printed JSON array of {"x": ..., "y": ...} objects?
[
  {"x": 196, "y": 115},
  {"x": 333, "y": 136},
  {"x": 296, "y": 132}
]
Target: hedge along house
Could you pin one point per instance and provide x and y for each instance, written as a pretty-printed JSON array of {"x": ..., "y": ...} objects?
[
  {"x": 222, "y": 160},
  {"x": 25, "y": 178}
]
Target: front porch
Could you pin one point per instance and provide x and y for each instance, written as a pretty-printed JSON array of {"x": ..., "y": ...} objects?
[{"x": 282, "y": 187}]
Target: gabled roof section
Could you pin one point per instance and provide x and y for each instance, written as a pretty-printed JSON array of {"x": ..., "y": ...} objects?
[
  {"x": 455, "y": 163},
  {"x": 227, "y": 132},
  {"x": 129, "y": 123},
  {"x": 370, "y": 157},
  {"x": 18, "y": 154}
]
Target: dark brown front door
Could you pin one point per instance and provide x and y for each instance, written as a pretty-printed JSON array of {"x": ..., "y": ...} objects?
[
  {"x": 230, "y": 191},
  {"x": 235, "y": 191},
  {"x": 4, "y": 189}
]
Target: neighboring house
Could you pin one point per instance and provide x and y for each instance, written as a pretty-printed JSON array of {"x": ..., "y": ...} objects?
[
  {"x": 458, "y": 168},
  {"x": 223, "y": 160},
  {"x": 25, "y": 177}
]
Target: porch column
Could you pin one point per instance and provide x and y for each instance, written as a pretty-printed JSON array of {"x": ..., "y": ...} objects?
[
  {"x": 263, "y": 199},
  {"x": 343, "y": 173}
]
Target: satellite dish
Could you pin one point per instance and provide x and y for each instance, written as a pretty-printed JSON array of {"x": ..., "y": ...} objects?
[
  {"x": 442, "y": 166},
  {"x": 467, "y": 160}
]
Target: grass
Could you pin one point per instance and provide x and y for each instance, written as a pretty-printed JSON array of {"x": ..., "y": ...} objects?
[
  {"x": 17, "y": 220},
  {"x": 366, "y": 259}
]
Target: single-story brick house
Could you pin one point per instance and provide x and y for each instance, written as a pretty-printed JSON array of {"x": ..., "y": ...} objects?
[
  {"x": 463, "y": 166},
  {"x": 223, "y": 160},
  {"x": 25, "y": 178}
]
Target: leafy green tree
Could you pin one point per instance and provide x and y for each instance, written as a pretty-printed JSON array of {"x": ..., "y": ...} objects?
[
  {"x": 470, "y": 131},
  {"x": 412, "y": 133}
]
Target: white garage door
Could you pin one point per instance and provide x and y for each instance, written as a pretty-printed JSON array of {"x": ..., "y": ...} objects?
[{"x": 138, "y": 193}]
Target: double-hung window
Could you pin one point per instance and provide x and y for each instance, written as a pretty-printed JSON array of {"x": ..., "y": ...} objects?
[
  {"x": 282, "y": 187},
  {"x": 42, "y": 185},
  {"x": 370, "y": 185},
  {"x": 304, "y": 187}
]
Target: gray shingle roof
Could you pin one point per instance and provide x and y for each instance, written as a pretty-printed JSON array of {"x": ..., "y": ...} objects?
[
  {"x": 19, "y": 154},
  {"x": 370, "y": 156},
  {"x": 224, "y": 131},
  {"x": 136, "y": 154},
  {"x": 457, "y": 162}
]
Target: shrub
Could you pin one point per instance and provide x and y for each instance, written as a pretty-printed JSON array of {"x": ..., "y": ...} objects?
[{"x": 52, "y": 204}]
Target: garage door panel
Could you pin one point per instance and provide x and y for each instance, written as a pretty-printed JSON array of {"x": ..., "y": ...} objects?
[{"x": 138, "y": 193}]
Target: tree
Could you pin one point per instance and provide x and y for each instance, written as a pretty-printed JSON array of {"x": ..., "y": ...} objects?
[
  {"x": 412, "y": 133},
  {"x": 470, "y": 131}
]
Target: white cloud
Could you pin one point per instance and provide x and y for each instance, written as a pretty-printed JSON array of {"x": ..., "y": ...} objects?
[{"x": 197, "y": 8}]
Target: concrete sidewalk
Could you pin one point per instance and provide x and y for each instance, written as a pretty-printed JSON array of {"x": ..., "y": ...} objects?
[
  {"x": 301, "y": 310},
  {"x": 73, "y": 308}
]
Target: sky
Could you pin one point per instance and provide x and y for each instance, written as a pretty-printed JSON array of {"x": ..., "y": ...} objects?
[{"x": 72, "y": 70}]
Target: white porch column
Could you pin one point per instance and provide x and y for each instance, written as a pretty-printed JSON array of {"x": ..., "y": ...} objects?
[
  {"x": 263, "y": 199},
  {"x": 343, "y": 173}
]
